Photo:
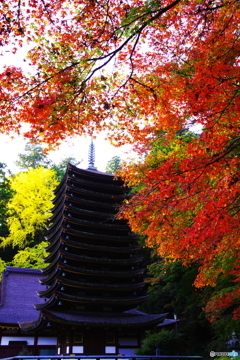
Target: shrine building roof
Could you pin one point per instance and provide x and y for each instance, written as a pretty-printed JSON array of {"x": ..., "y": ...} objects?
[{"x": 18, "y": 294}]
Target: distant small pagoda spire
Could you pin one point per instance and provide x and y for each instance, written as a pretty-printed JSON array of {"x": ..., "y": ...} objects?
[{"x": 91, "y": 156}]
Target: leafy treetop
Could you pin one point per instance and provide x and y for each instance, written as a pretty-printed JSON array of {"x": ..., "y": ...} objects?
[
  {"x": 28, "y": 209},
  {"x": 33, "y": 157},
  {"x": 113, "y": 165},
  {"x": 132, "y": 68}
]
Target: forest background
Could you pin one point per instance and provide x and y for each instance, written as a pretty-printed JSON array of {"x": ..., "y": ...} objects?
[{"x": 144, "y": 71}]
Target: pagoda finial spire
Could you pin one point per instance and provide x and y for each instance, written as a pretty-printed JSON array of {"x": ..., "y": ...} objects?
[{"x": 91, "y": 156}]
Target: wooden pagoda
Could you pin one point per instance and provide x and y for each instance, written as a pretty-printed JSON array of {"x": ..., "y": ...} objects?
[{"x": 94, "y": 280}]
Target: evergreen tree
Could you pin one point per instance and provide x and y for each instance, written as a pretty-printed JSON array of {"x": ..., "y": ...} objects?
[
  {"x": 113, "y": 165},
  {"x": 33, "y": 157},
  {"x": 171, "y": 291},
  {"x": 61, "y": 167},
  {"x": 6, "y": 194}
]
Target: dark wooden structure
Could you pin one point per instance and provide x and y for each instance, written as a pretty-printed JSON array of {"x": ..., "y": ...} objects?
[
  {"x": 95, "y": 277},
  {"x": 94, "y": 261}
]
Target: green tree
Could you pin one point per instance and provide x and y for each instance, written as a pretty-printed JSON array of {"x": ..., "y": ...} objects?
[
  {"x": 113, "y": 165},
  {"x": 167, "y": 341},
  {"x": 5, "y": 195},
  {"x": 61, "y": 167},
  {"x": 221, "y": 332},
  {"x": 33, "y": 157},
  {"x": 28, "y": 210},
  {"x": 171, "y": 291}
]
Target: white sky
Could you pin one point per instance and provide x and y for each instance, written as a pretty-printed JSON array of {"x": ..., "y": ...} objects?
[{"x": 77, "y": 147}]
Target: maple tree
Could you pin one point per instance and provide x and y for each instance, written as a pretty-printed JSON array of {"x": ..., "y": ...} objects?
[
  {"x": 188, "y": 207},
  {"x": 167, "y": 62},
  {"x": 140, "y": 69}
]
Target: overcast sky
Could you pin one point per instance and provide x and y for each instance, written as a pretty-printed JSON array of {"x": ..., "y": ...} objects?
[{"x": 77, "y": 148}]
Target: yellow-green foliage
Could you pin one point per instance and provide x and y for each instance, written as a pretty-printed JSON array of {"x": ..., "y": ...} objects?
[
  {"x": 31, "y": 257},
  {"x": 2, "y": 267},
  {"x": 28, "y": 210}
]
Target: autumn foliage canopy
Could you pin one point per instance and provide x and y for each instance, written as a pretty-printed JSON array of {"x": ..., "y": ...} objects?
[{"x": 143, "y": 71}]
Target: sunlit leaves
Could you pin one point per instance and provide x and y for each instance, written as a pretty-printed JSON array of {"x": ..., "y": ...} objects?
[
  {"x": 221, "y": 300},
  {"x": 187, "y": 204},
  {"x": 31, "y": 257},
  {"x": 28, "y": 210}
]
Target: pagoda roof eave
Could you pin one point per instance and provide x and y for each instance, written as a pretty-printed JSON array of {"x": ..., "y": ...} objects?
[
  {"x": 65, "y": 215},
  {"x": 117, "y": 287},
  {"x": 88, "y": 259},
  {"x": 96, "y": 236},
  {"x": 96, "y": 194},
  {"x": 68, "y": 206},
  {"x": 91, "y": 183},
  {"x": 131, "y": 261},
  {"x": 92, "y": 272},
  {"x": 87, "y": 246},
  {"x": 104, "y": 248},
  {"x": 92, "y": 173},
  {"x": 108, "y": 301},
  {"x": 126, "y": 319},
  {"x": 50, "y": 277},
  {"x": 112, "y": 206}
]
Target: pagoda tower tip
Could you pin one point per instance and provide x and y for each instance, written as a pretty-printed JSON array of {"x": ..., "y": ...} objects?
[{"x": 91, "y": 156}]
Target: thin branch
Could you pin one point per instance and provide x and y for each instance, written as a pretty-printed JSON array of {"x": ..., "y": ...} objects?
[
  {"x": 141, "y": 28},
  {"x": 132, "y": 67},
  {"x": 47, "y": 11},
  {"x": 146, "y": 86},
  {"x": 28, "y": 92},
  {"x": 108, "y": 57}
]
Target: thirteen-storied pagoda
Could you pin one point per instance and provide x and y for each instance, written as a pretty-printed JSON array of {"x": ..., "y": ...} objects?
[{"x": 94, "y": 280}]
